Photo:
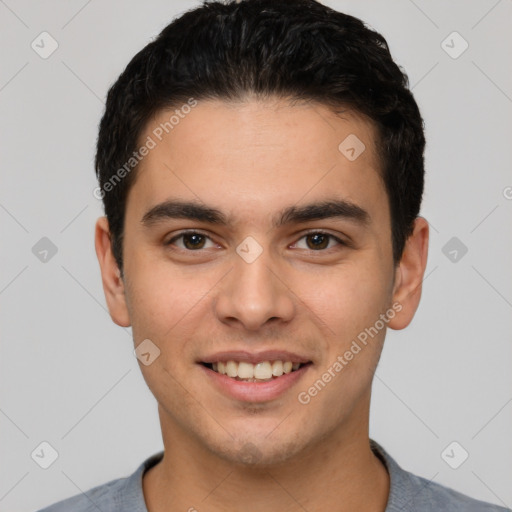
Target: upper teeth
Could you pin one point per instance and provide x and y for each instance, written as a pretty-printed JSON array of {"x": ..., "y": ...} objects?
[{"x": 263, "y": 370}]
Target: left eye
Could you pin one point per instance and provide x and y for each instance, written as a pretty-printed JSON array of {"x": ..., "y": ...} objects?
[{"x": 319, "y": 240}]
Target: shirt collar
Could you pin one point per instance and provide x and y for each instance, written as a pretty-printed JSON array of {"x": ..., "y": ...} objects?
[{"x": 401, "y": 491}]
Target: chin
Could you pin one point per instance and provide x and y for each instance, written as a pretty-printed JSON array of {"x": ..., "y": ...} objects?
[{"x": 251, "y": 452}]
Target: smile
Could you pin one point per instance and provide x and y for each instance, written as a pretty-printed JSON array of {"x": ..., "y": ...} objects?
[
  {"x": 263, "y": 371},
  {"x": 262, "y": 380}
]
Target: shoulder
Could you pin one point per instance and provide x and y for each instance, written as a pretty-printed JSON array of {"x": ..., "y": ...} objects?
[
  {"x": 433, "y": 496},
  {"x": 119, "y": 495},
  {"x": 412, "y": 492},
  {"x": 101, "y": 497}
]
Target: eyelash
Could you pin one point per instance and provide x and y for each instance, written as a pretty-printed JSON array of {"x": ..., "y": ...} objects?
[{"x": 314, "y": 232}]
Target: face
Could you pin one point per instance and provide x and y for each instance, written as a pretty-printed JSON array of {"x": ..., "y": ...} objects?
[{"x": 254, "y": 243}]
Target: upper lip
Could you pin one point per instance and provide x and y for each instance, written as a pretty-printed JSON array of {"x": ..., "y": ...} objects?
[{"x": 254, "y": 357}]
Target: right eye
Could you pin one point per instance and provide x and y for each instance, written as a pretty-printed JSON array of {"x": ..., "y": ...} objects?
[{"x": 191, "y": 240}]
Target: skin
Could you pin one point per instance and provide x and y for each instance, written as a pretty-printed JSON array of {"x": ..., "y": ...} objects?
[{"x": 251, "y": 159}]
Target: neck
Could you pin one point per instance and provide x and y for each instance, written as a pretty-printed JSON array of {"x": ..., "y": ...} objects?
[{"x": 338, "y": 473}]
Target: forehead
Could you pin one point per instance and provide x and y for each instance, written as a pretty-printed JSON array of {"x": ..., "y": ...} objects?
[{"x": 259, "y": 154}]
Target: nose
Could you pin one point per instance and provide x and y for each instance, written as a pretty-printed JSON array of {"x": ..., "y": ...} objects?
[{"x": 254, "y": 294}]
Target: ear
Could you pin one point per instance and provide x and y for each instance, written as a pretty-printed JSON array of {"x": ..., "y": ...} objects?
[
  {"x": 113, "y": 285},
  {"x": 409, "y": 275}
]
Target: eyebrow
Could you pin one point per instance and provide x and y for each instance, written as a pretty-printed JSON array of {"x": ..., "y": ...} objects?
[{"x": 193, "y": 210}]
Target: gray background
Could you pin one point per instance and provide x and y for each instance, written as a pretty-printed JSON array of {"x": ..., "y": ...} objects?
[{"x": 68, "y": 374}]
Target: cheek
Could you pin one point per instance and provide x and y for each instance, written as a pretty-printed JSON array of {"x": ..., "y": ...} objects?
[
  {"x": 156, "y": 298},
  {"x": 346, "y": 298},
  {"x": 167, "y": 303}
]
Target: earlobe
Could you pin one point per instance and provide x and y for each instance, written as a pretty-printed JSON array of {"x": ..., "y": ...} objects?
[
  {"x": 113, "y": 284},
  {"x": 409, "y": 275}
]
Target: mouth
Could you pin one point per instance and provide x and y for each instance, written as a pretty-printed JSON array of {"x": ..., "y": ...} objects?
[
  {"x": 263, "y": 371},
  {"x": 255, "y": 377}
]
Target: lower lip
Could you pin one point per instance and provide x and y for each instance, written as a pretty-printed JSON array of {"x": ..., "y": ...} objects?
[{"x": 255, "y": 391}]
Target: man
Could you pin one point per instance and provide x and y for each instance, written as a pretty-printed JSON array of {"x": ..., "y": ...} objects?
[{"x": 261, "y": 167}]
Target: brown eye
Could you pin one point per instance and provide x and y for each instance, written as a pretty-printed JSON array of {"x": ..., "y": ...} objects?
[
  {"x": 191, "y": 241},
  {"x": 319, "y": 241}
]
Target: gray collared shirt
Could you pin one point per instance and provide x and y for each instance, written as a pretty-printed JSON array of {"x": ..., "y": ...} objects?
[{"x": 407, "y": 493}]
